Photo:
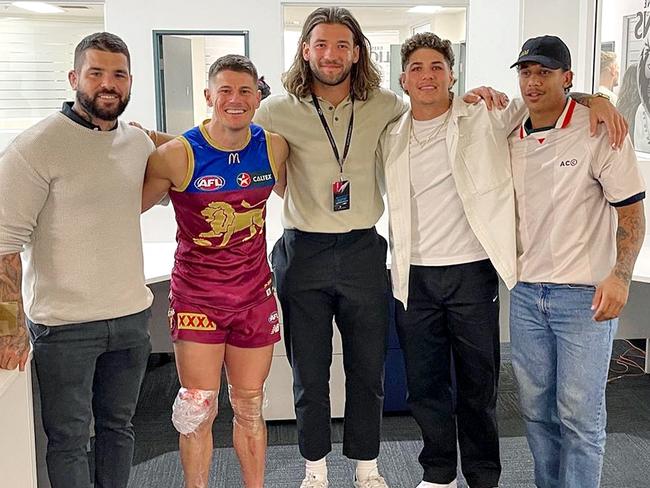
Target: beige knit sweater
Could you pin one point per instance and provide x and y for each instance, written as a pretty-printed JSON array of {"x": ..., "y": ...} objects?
[{"x": 70, "y": 202}]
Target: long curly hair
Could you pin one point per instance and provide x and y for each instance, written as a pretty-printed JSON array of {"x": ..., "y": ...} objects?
[{"x": 365, "y": 75}]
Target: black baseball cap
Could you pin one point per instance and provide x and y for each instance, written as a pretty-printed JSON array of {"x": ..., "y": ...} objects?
[{"x": 549, "y": 51}]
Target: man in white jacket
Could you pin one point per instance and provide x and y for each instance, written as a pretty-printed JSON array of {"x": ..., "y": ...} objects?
[{"x": 452, "y": 221}]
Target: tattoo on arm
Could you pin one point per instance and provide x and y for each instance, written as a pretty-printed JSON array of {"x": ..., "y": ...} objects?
[
  {"x": 10, "y": 277},
  {"x": 629, "y": 239},
  {"x": 581, "y": 98},
  {"x": 10, "y": 287}
]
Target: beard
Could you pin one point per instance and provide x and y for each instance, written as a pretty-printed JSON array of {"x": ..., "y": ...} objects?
[
  {"x": 92, "y": 105},
  {"x": 331, "y": 80}
]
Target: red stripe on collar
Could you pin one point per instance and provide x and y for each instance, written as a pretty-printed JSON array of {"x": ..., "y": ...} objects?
[{"x": 567, "y": 114}]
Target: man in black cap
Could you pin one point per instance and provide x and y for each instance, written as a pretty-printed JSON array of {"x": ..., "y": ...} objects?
[{"x": 573, "y": 267}]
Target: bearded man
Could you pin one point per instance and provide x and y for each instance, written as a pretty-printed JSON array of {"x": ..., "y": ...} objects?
[{"x": 70, "y": 200}]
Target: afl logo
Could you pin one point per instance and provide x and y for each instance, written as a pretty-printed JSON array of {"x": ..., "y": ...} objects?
[
  {"x": 273, "y": 317},
  {"x": 244, "y": 180},
  {"x": 210, "y": 183}
]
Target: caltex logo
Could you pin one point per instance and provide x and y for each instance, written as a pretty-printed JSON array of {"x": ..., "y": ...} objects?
[{"x": 244, "y": 180}]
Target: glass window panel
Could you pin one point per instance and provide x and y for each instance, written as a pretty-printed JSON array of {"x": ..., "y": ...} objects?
[
  {"x": 37, "y": 53},
  {"x": 623, "y": 64}
]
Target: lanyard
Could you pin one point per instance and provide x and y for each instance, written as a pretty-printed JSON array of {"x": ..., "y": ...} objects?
[{"x": 340, "y": 160}]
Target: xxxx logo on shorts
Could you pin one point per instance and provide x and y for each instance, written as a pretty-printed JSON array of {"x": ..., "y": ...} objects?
[{"x": 194, "y": 321}]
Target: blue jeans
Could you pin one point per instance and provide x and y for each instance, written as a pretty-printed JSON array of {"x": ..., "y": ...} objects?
[
  {"x": 85, "y": 370},
  {"x": 560, "y": 357}
]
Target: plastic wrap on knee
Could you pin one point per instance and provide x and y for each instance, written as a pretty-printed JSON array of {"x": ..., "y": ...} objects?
[
  {"x": 192, "y": 408},
  {"x": 247, "y": 407}
]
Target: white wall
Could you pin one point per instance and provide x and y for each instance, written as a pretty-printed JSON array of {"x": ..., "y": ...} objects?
[
  {"x": 497, "y": 28},
  {"x": 493, "y": 42},
  {"x": 451, "y": 26},
  {"x": 573, "y": 21}
]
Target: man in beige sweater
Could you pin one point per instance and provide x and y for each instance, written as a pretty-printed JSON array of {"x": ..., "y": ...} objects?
[{"x": 70, "y": 195}]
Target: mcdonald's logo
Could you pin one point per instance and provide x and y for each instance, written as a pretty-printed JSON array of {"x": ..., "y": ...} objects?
[{"x": 233, "y": 158}]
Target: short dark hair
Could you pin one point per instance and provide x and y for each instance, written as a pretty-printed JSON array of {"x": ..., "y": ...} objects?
[
  {"x": 102, "y": 41},
  {"x": 428, "y": 40},
  {"x": 233, "y": 62}
]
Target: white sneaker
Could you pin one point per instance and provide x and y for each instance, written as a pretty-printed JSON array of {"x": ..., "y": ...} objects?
[
  {"x": 313, "y": 481},
  {"x": 374, "y": 481}
]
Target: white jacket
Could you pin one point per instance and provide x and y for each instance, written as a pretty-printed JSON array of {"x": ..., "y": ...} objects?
[{"x": 480, "y": 165}]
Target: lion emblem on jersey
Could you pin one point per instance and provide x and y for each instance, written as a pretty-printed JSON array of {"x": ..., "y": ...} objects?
[{"x": 225, "y": 222}]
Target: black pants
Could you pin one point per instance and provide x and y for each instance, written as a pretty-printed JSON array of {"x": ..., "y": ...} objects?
[
  {"x": 452, "y": 321},
  {"x": 85, "y": 370},
  {"x": 340, "y": 276}
]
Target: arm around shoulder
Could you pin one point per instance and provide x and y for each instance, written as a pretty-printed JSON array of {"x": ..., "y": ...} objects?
[
  {"x": 262, "y": 115},
  {"x": 280, "y": 150},
  {"x": 167, "y": 166}
]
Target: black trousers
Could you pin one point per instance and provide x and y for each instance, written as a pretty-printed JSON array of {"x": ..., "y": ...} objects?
[
  {"x": 342, "y": 276},
  {"x": 452, "y": 322}
]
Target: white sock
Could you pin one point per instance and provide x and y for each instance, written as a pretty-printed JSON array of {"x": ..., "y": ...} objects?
[
  {"x": 426, "y": 484},
  {"x": 365, "y": 469},
  {"x": 317, "y": 468}
]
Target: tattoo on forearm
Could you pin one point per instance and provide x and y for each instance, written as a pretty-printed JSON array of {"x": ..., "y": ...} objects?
[
  {"x": 10, "y": 277},
  {"x": 629, "y": 239},
  {"x": 581, "y": 98},
  {"x": 10, "y": 284}
]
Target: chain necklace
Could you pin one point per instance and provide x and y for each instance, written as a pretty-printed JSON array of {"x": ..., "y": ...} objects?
[{"x": 433, "y": 134}]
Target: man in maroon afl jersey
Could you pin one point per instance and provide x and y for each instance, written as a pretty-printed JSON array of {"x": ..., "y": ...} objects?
[{"x": 222, "y": 309}]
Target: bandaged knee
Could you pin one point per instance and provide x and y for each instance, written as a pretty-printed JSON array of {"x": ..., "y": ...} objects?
[
  {"x": 193, "y": 408},
  {"x": 247, "y": 407}
]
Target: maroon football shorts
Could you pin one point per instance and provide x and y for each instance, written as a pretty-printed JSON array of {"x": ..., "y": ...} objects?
[{"x": 257, "y": 326}]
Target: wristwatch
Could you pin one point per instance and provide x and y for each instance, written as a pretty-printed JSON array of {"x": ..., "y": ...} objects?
[{"x": 602, "y": 95}]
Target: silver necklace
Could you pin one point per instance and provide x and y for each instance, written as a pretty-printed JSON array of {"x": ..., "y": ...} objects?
[{"x": 433, "y": 134}]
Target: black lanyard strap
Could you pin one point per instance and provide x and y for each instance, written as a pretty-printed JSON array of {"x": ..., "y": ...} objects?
[{"x": 348, "y": 138}]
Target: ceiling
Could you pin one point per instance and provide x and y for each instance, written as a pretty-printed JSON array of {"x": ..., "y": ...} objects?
[
  {"x": 72, "y": 9},
  {"x": 369, "y": 17}
]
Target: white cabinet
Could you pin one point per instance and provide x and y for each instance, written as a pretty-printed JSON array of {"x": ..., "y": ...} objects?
[{"x": 17, "y": 451}]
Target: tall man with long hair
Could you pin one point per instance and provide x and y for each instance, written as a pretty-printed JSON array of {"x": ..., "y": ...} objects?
[{"x": 330, "y": 262}]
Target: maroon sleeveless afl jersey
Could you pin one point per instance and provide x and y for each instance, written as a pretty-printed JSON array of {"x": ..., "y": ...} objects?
[{"x": 220, "y": 209}]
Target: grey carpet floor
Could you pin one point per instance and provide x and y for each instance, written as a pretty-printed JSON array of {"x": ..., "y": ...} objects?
[
  {"x": 626, "y": 465},
  {"x": 156, "y": 462}
]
